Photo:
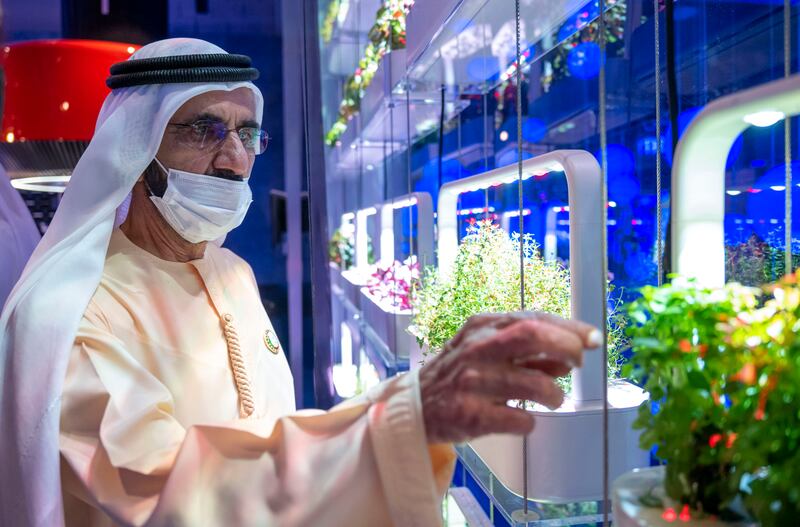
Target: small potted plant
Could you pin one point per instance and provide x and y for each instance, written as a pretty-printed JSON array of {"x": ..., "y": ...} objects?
[
  {"x": 393, "y": 286},
  {"x": 387, "y": 306},
  {"x": 346, "y": 278},
  {"x": 755, "y": 262},
  {"x": 485, "y": 279},
  {"x": 722, "y": 367},
  {"x": 563, "y": 452},
  {"x": 341, "y": 250}
]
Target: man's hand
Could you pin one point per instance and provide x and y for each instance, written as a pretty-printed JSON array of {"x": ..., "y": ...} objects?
[{"x": 494, "y": 358}]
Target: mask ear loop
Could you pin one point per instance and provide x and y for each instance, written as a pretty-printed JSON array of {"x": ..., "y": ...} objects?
[
  {"x": 149, "y": 190},
  {"x": 161, "y": 166},
  {"x": 147, "y": 186}
]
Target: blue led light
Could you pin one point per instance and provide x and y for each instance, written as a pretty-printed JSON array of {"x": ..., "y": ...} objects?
[
  {"x": 533, "y": 129},
  {"x": 584, "y": 60},
  {"x": 622, "y": 183}
]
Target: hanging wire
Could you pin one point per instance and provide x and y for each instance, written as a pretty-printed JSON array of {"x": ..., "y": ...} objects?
[
  {"x": 673, "y": 105},
  {"x": 604, "y": 247},
  {"x": 787, "y": 136},
  {"x": 389, "y": 162},
  {"x": 521, "y": 231},
  {"x": 659, "y": 212},
  {"x": 485, "y": 134},
  {"x": 422, "y": 265}
]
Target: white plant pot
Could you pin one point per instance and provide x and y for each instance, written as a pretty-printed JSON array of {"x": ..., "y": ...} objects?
[
  {"x": 565, "y": 449},
  {"x": 351, "y": 282},
  {"x": 629, "y": 511},
  {"x": 391, "y": 326}
]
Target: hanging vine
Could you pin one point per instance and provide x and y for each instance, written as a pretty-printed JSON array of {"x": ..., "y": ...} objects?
[{"x": 387, "y": 34}]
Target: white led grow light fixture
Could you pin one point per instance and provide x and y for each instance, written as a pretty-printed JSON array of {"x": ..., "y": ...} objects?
[
  {"x": 698, "y": 173},
  {"x": 424, "y": 204},
  {"x": 588, "y": 292},
  {"x": 564, "y": 452},
  {"x": 362, "y": 237}
]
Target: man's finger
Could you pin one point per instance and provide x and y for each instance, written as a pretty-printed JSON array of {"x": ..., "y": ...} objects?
[
  {"x": 485, "y": 324},
  {"x": 589, "y": 335},
  {"x": 501, "y": 419},
  {"x": 481, "y": 326},
  {"x": 505, "y": 382},
  {"x": 550, "y": 367},
  {"x": 529, "y": 340}
]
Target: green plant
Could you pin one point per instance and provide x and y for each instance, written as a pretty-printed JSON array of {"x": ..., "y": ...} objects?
[
  {"x": 722, "y": 367},
  {"x": 341, "y": 249},
  {"x": 387, "y": 34},
  {"x": 326, "y": 28},
  {"x": 756, "y": 262},
  {"x": 395, "y": 284},
  {"x": 485, "y": 279}
]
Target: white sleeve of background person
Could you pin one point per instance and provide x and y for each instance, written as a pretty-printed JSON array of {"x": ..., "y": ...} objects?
[{"x": 18, "y": 236}]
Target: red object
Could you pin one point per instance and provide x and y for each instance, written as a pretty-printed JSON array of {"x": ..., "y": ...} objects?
[
  {"x": 54, "y": 88},
  {"x": 669, "y": 515},
  {"x": 747, "y": 375}
]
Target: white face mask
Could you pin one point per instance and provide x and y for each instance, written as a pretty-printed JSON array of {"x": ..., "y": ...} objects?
[{"x": 201, "y": 207}]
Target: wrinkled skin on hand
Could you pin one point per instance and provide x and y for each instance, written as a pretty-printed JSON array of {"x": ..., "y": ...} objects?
[{"x": 494, "y": 358}]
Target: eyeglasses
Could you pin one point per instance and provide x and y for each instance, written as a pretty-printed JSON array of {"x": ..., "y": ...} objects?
[{"x": 209, "y": 136}]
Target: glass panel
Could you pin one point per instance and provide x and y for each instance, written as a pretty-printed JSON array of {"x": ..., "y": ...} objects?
[{"x": 445, "y": 110}]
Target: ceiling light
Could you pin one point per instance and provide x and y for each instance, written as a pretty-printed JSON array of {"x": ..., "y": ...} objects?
[
  {"x": 764, "y": 119},
  {"x": 55, "y": 184}
]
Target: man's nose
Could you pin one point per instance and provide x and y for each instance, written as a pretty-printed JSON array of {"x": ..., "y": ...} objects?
[{"x": 232, "y": 155}]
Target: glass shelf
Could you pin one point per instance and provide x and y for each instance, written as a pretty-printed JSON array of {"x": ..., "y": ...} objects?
[
  {"x": 475, "y": 47},
  {"x": 348, "y": 37},
  {"x": 378, "y": 352},
  {"x": 510, "y": 505}
]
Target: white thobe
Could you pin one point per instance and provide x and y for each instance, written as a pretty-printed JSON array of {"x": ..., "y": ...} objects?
[{"x": 151, "y": 432}]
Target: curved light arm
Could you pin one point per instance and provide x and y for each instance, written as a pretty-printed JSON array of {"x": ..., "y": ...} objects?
[
  {"x": 424, "y": 204},
  {"x": 586, "y": 270},
  {"x": 362, "y": 237},
  {"x": 698, "y": 173},
  {"x": 550, "y": 239}
]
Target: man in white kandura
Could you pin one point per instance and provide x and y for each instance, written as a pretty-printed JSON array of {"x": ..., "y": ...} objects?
[{"x": 142, "y": 383}]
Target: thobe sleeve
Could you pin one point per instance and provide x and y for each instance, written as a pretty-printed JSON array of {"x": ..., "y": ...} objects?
[{"x": 365, "y": 462}]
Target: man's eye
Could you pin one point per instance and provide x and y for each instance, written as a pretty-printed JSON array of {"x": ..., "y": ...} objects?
[
  {"x": 201, "y": 129},
  {"x": 247, "y": 135}
]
